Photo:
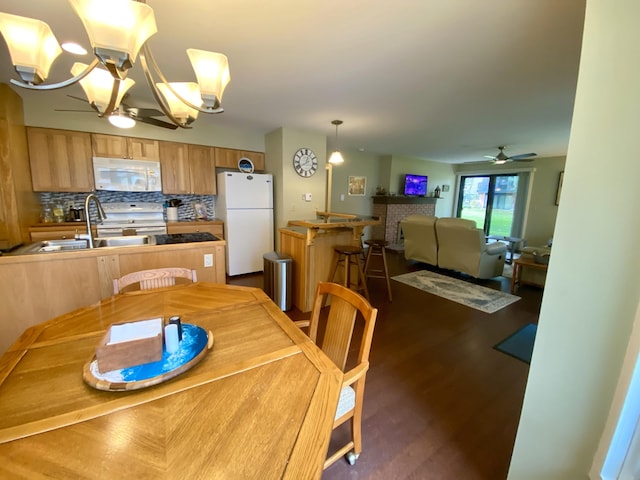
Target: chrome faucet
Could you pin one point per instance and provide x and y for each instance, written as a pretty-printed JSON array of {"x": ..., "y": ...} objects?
[{"x": 101, "y": 215}]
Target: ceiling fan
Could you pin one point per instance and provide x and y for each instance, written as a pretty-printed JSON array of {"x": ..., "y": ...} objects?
[
  {"x": 503, "y": 158},
  {"x": 142, "y": 115}
]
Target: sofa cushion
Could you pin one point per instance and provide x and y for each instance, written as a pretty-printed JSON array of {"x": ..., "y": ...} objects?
[
  {"x": 420, "y": 242},
  {"x": 463, "y": 248}
]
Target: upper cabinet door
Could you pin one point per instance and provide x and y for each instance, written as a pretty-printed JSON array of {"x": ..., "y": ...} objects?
[
  {"x": 174, "y": 163},
  {"x": 60, "y": 160},
  {"x": 143, "y": 149},
  {"x": 113, "y": 146},
  {"x": 228, "y": 158},
  {"x": 110, "y": 146},
  {"x": 202, "y": 167}
]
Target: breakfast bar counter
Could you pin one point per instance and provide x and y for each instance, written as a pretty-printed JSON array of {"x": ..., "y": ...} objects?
[
  {"x": 39, "y": 286},
  {"x": 310, "y": 244}
]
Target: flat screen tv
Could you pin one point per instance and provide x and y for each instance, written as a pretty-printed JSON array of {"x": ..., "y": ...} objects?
[{"x": 415, "y": 184}]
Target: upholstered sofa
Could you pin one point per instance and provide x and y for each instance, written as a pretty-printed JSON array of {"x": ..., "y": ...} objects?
[
  {"x": 420, "y": 241},
  {"x": 453, "y": 244}
]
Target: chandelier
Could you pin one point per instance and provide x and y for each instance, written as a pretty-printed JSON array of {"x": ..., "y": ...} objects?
[{"x": 118, "y": 31}]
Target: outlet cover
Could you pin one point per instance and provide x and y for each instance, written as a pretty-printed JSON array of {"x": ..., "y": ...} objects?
[{"x": 208, "y": 260}]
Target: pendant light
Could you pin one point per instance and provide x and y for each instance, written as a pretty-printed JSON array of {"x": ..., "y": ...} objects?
[{"x": 336, "y": 156}]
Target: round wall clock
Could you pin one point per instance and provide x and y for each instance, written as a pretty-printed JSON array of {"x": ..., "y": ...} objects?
[
  {"x": 245, "y": 165},
  {"x": 305, "y": 162}
]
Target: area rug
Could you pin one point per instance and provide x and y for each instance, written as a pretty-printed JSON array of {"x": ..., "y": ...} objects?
[
  {"x": 520, "y": 343},
  {"x": 475, "y": 296}
]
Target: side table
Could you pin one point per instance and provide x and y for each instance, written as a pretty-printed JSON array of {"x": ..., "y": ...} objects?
[
  {"x": 520, "y": 264},
  {"x": 512, "y": 244}
]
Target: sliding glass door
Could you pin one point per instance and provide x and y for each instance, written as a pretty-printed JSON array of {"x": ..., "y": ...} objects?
[{"x": 490, "y": 200}]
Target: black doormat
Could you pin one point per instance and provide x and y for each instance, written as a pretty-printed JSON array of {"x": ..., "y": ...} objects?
[{"x": 519, "y": 344}]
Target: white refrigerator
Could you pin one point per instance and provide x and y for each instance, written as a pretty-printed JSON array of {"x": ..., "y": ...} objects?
[{"x": 245, "y": 204}]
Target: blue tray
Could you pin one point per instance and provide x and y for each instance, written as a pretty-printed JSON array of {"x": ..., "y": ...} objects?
[{"x": 195, "y": 344}]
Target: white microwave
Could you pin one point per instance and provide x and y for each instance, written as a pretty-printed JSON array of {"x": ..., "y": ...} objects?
[{"x": 123, "y": 175}]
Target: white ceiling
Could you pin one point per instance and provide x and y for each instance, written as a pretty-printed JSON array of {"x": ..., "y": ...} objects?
[{"x": 443, "y": 80}]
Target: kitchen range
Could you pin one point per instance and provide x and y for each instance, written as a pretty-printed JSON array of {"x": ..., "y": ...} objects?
[{"x": 132, "y": 218}]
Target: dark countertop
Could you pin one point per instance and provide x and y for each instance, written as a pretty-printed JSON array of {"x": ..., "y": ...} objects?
[{"x": 185, "y": 238}]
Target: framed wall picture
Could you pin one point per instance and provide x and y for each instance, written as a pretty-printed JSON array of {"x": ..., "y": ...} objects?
[
  {"x": 357, "y": 185},
  {"x": 559, "y": 187},
  {"x": 200, "y": 209}
]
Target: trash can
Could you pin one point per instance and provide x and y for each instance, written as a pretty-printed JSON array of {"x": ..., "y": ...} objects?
[{"x": 277, "y": 279}]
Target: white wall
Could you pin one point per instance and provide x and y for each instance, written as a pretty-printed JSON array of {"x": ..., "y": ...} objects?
[
  {"x": 207, "y": 129},
  {"x": 289, "y": 187},
  {"x": 355, "y": 164},
  {"x": 437, "y": 173},
  {"x": 593, "y": 286},
  {"x": 543, "y": 211}
]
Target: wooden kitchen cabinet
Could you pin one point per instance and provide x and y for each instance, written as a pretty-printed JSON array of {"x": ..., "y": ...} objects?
[
  {"x": 19, "y": 205},
  {"x": 202, "y": 169},
  {"x": 60, "y": 160},
  {"x": 113, "y": 146},
  {"x": 58, "y": 232},
  {"x": 174, "y": 164},
  {"x": 187, "y": 169},
  {"x": 228, "y": 158},
  {"x": 214, "y": 228}
]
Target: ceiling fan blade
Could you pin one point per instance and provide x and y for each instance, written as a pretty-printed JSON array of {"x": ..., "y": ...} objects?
[
  {"x": 490, "y": 157},
  {"x": 155, "y": 122},
  {"x": 143, "y": 112},
  {"x": 523, "y": 155},
  {"x": 522, "y": 159},
  {"x": 78, "y": 98}
]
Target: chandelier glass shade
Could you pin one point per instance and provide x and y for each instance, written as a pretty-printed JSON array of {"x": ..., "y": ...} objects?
[
  {"x": 118, "y": 31},
  {"x": 32, "y": 45},
  {"x": 98, "y": 86},
  {"x": 190, "y": 91}
]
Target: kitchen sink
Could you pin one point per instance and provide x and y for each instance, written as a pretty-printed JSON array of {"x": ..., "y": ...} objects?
[
  {"x": 73, "y": 244},
  {"x": 130, "y": 240},
  {"x": 57, "y": 245}
]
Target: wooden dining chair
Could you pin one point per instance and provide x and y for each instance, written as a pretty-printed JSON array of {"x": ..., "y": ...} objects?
[
  {"x": 345, "y": 304},
  {"x": 156, "y": 278}
]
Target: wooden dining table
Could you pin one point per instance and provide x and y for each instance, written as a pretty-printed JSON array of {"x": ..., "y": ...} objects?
[{"x": 260, "y": 403}]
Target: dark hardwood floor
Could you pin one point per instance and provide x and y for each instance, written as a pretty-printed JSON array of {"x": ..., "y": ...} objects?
[{"x": 440, "y": 402}]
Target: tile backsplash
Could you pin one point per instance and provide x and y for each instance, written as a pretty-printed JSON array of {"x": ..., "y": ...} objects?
[{"x": 185, "y": 212}]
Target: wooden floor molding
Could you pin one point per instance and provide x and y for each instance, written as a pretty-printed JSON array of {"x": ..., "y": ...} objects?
[{"x": 440, "y": 402}]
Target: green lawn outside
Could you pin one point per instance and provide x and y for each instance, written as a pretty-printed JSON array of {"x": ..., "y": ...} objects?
[{"x": 500, "y": 220}]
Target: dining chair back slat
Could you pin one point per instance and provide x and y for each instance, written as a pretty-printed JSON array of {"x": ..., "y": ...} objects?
[
  {"x": 346, "y": 307},
  {"x": 155, "y": 278}
]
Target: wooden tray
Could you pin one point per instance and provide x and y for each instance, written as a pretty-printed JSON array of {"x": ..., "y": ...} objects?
[{"x": 195, "y": 344}]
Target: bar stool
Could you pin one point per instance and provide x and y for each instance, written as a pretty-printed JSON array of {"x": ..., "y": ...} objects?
[
  {"x": 347, "y": 256},
  {"x": 378, "y": 247}
]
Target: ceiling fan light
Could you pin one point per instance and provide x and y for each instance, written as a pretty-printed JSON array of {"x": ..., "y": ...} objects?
[
  {"x": 98, "y": 85},
  {"x": 32, "y": 45},
  {"x": 190, "y": 91},
  {"x": 117, "y": 29},
  {"x": 212, "y": 72},
  {"x": 336, "y": 158},
  {"x": 121, "y": 121},
  {"x": 499, "y": 161},
  {"x": 74, "y": 48}
]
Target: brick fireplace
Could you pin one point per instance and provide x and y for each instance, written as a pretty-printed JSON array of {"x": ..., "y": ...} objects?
[{"x": 392, "y": 209}]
